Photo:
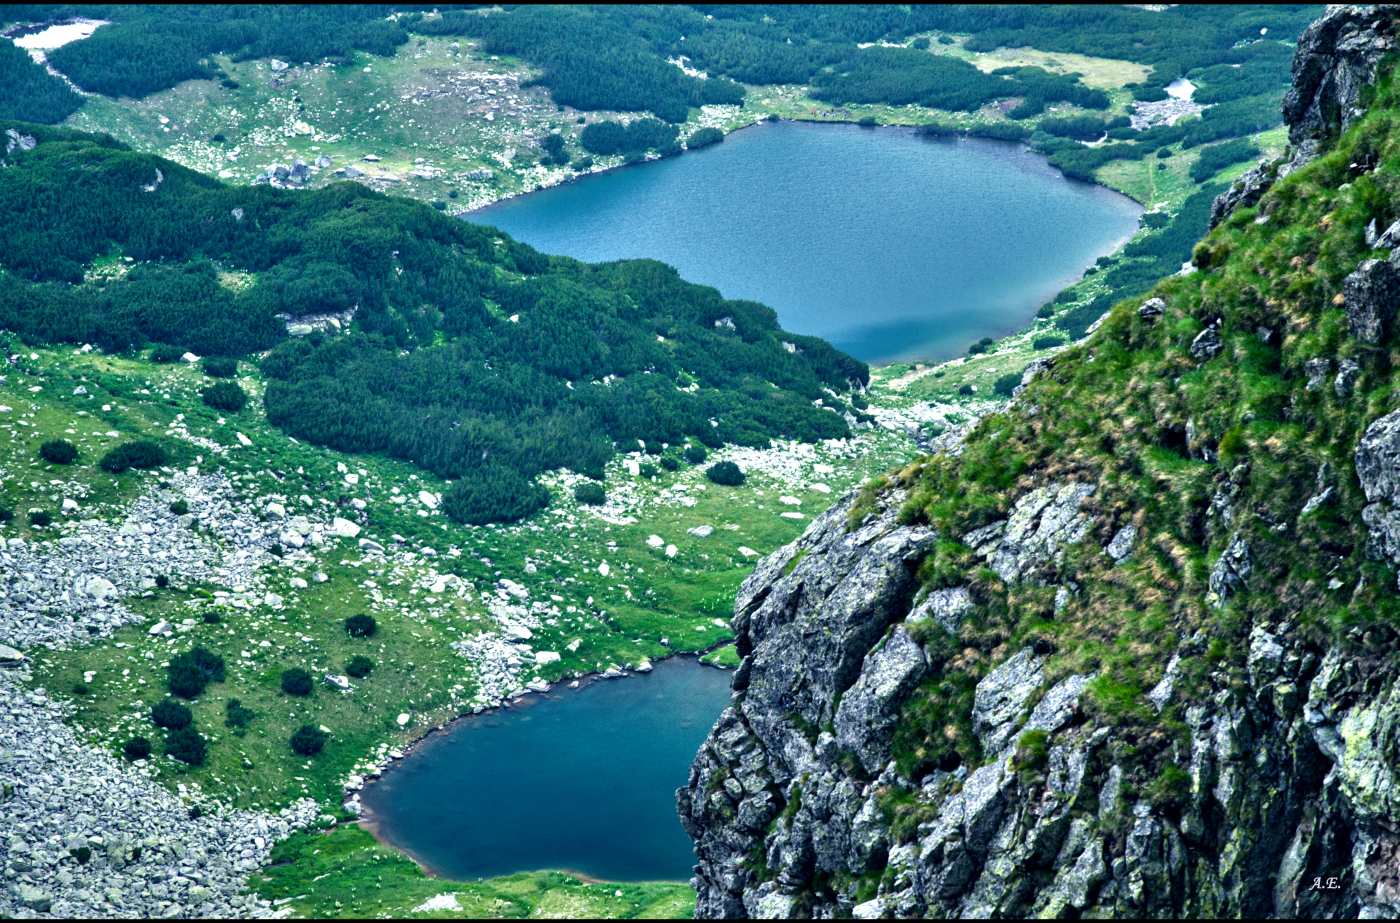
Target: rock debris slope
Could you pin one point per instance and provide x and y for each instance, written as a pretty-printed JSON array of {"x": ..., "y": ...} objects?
[{"x": 1131, "y": 652}]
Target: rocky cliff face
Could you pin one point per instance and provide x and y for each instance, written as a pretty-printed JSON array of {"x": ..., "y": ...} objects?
[
  {"x": 1337, "y": 59},
  {"x": 892, "y": 750}
]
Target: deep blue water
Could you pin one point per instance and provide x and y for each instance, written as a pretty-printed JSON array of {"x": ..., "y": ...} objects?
[
  {"x": 580, "y": 780},
  {"x": 888, "y": 245}
]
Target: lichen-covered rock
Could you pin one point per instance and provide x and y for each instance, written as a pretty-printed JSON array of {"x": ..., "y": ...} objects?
[
  {"x": 1317, "y": 371},
  {"x": 868, "y": 711},
  {"x": 946, "y": 607},
  {"x": 1231, "y": 570},
  {"x": 1287, "y": 781},
  {"x": 1151, "y": 309},
  {"x": 806, "y": 633},
  {"x": 1337, "y": 58},
  {"x": 1378, "y": 472},
  {"x": 1002, "y": 696},
  {"x": 1042, "y": 524},
  {"x": 1207, "y": 344},
  {"x": 1121, "y": 545},
  {"x": 1244, "y": 192},
  {"x": 1372, "y": 294},
  {"x": 1348, "y": 371}
]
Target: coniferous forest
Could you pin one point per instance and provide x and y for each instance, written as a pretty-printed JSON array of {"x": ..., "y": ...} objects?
[
  {"x": 611, "y": 58},
  {"x": 469, "y": 354}
]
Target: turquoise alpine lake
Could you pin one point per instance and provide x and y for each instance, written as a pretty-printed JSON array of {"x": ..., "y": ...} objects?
[
  {"x": 576, "y": 780},
  {"x": 887, "y": 244}
]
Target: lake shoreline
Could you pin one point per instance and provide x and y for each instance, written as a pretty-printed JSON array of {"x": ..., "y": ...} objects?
[
  {"x": 366, "y": 819},
  {"x": 981, "y": 233},
  {"x": 373, "y": 823},
  {"x": 478, "y": 205}
]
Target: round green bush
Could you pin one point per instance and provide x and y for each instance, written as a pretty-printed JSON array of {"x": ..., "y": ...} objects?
[
  {"x": 725, "y": 473},
  {"x": 590, "y": 493},
  {"x": 696, "y": 454},
  {"x": 208, "y": 661},
  {"x": 141, "y": 454},
  {"x": 171, "y": 715},
  {"x": 186, "y": 745},
  {"x": 361, "y": 626},
  {"x": 6, "y": 514},
  {"x": 359, "y": 666},
  {"x": 180, "y": 507},
  {"x": 704, "y": 137},
  {"x": 190, "y": 673},
  {"x": 237, "y": 716},
  {"x": 40, "y": 518},
  {"x": 1006, "y": 384},
  {"x": 296, "y": 681},
  {"x": 226, "y": 396},
  {"x": 493, "y": 493},
  {"x": 137, "y": 748},
  {"x": 185, "y": 680},
  {"x": 220, "y": 367},
  {"x": 59, "y": 452},
  {"x": 308, "y": 740},
  {"x": 670, "y": 463},
  {"x": 165, "y": 353}
]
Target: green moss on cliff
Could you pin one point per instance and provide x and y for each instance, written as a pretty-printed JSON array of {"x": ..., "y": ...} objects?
[{"x": 1196, "y": 451}]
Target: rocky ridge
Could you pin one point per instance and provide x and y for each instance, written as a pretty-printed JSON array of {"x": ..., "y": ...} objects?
[
  {"x": 70, "y": 589},
  {"x": 84, "y": 836},
  {"x": 1339, "y": 56},
  {"x": 1281, "y": 794}
]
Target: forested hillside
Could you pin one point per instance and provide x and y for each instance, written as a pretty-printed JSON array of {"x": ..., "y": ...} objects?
[
  {"x": 464, "y": 351},
  {"x": 149, "y": 48},
  {"x": 31, "y": 94},
  {"x": 604, "y": 58}
]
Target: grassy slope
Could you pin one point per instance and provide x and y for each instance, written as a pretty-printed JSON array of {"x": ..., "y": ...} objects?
[
  {"x": 345, "y": 873},
  {"x": 648, "y": 606},
  {"x": 646, "y": 599},
  {"x": 1117, "y": 398},
  {"x": 424, "y": 112}
]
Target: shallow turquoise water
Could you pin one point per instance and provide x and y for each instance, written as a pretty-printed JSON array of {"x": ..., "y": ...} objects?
[
  {"x": 888, "y": 245},
  {"x": 582, "y": 780}
]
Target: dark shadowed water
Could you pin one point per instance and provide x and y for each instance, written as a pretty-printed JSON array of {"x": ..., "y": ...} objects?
[
  {"x": 888, "y": 245},
  {"x": 581, "y": 780}
]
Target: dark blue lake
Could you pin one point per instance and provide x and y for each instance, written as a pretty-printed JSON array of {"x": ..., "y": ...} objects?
[
  {"x": 888, "y": 245},
  {"x": 579, "y": 780}
]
